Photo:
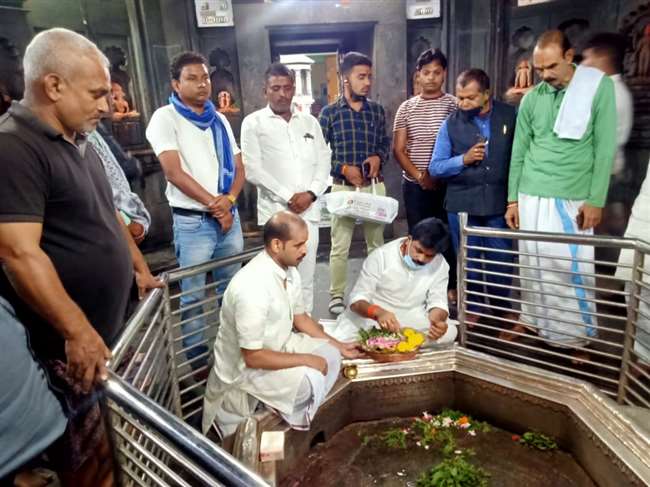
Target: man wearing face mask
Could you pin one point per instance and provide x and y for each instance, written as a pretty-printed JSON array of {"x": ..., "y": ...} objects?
[
  {"x": 561, "y": 163},
  {"x": 355, "y": 128},
  {"x": 477, "y": 181},
  {"x": 403, "y": 284}
]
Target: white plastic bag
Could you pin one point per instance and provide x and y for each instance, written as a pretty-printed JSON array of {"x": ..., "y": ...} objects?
[{"x": 364, "y": 206}]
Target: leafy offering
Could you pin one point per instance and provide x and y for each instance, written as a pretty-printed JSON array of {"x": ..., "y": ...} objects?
[{"x": 384, "y": 341}]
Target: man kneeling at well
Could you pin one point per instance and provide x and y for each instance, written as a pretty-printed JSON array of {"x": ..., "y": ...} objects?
[
  {"x": 257, "y": 354},
  {"x": 403, "y": 284}
]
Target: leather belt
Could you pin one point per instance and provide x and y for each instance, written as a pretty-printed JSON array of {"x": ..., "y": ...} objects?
[{"x": 186, "y": 212}]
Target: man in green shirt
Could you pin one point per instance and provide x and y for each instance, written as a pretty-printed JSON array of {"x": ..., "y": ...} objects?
[{"x": 562, "y": 157}]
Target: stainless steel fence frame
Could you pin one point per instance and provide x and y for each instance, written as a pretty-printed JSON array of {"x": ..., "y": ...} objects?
[
  {"x": 618, "y": 369},
  {"x": 154, "y": 395}
]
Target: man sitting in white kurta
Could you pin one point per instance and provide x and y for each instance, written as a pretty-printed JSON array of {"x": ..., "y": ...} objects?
[
  {"x": 258, "y": 357},
  {"x": 403, "y": 284}
]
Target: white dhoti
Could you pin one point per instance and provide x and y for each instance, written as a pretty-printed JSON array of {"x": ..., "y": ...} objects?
[
  {"x": 642, "y": 336},
  {"x": 562, "y": 308},
  {"x": 296, "y": 393},
  {"x": 307, "y": 267},
  {"x": 348, "y": 324}
]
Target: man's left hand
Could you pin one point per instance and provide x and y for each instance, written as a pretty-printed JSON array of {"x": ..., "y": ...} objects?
[
  {"x": 220, "y": 206},
  {"x": 350, "y": 350},
  {"x": 145, "y": 281},
  {"x": 426, "y": 182},
  {"x": 300, "y": 202},
  {"x": 226, "y": 222},
  {"x": 374, "y": 165},
  {"x": 437, "y": 329},
  {"x": 588, "y": 216}
]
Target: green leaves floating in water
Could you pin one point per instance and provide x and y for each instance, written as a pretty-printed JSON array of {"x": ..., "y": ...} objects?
[
  {"x": 538, "y": 440},
  {"x": 454, "y": 472}
]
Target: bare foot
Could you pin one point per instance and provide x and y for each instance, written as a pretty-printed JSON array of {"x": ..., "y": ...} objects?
[
  {"x": 510, "y": 335},
  {"x": 579, "y": 356},
  {"x": 471, "y": 320}
]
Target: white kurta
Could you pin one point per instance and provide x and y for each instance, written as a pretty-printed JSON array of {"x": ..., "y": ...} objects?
[
  {"x": 257, "y": 313},
  {"x": 556, "y": 283},
  {"x": 386, "y": 281},
  {"x": 281, "y": 159},
  {"x": 639, "y": 227}
]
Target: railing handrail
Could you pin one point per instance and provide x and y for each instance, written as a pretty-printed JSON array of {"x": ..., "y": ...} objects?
[
  {"x": 595, "y": 240},
  {"x": 181, "y": 273},
  {"x": 134, "y": 323},
  {"x": 216, "y": 461}
]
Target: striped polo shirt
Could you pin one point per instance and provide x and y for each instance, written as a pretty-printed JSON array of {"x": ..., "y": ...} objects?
[{"x": 422, "y": 119}]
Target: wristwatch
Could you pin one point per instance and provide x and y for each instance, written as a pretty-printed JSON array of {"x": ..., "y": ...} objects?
[
  {"x": 232, "y": 198},
  {"x": 313, "y": 195}
]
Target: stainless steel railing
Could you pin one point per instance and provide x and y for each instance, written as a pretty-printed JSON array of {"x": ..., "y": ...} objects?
[
  {"x": 155, "y": 393},
  {"x": 616, "y": 308}
]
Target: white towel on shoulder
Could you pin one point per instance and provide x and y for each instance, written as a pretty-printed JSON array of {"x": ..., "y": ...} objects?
[{"x": 575, "y": 110}]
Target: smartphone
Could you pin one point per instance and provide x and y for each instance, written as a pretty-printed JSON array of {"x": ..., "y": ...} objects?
[
  {"x": 365, "y": 170},
  {"x": 580, "y": 220}
]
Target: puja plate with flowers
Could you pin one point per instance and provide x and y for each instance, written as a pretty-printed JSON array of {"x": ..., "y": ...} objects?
[{"x": 386, "y": 346}]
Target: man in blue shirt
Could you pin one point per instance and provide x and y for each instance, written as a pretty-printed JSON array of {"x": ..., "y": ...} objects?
[{"x": 472, "y": 153}]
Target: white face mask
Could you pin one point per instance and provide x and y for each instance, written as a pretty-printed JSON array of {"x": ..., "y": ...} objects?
[{"x": 409, "y": 262}]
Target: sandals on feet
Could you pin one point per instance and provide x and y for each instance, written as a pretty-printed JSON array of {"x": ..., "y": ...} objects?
[{"x": 336, "y": 306}]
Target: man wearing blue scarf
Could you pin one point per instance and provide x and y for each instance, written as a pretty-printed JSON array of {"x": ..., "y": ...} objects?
[{"x": 203, "y": 167}]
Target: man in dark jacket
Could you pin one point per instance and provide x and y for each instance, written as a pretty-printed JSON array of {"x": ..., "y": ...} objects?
[{"x": 477, "y": 184}]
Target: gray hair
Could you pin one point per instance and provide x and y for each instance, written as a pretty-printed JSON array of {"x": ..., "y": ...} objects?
[{"x": 56, "y": 51}]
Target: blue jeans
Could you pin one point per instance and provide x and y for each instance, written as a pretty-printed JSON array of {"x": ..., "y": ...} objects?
[
  {"x": 494, "y": 221},
  {"x": 198, "y": 238}
]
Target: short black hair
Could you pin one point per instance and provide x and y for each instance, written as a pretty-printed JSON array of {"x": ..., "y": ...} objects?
[
  {"x": 352, "y": 59},
  {"x": 611, "y": 45},
  {"x": 474, "y": 74},
  {"x": 432, "y": 234},
  {"x": 279, "y": 69},
  {"x": 429, "y": 56},
  {"x": 185, "y": 59}
]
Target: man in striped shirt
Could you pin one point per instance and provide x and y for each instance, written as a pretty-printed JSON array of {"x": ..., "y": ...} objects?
[
  {"x": 355, "y": 129},
  {"x": 415, "y": 131}
]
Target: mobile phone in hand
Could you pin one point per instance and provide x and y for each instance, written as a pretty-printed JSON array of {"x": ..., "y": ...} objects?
[
  {"x": 580, "y": 220},
  {"x": 365, "y": 170}
]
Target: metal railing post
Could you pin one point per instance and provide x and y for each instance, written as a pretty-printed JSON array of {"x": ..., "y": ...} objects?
[
  {"x": 630, "y": 324},
  {"x": 216, "y": 461},
  {"x": 460, "y": 272}
]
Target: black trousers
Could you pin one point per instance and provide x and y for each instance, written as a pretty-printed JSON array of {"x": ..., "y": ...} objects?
[{"x": 421, "y": 204}]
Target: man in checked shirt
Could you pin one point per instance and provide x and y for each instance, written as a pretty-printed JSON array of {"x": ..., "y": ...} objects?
[{"x": 355, "y": 128}]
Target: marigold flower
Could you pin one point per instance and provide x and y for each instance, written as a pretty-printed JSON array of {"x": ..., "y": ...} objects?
[{"x": 516, "y": 437}]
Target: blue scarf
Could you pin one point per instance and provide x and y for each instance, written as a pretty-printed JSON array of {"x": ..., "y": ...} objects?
[{"x": 210, "y": 119}]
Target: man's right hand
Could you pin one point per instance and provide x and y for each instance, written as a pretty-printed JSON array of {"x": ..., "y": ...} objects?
[
  {"x": 86, "y": 355},
  {"x": 475, "y": 154},
  {"x": 316, "y": 362},
  {"x": 387, "y": 320},
  {"x": 512, "y": 216},
  {"x": 353, "y": 175}
]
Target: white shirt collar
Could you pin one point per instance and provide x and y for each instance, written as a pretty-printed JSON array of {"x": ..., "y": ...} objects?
[
  {"x": 272, "y": 114},
  {"x": 275, "y": 267}
]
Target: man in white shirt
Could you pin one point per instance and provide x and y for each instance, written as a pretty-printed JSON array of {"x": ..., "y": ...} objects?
[
  {"x": 202, "y": 164},
  {"x": 403, "y": 284},
  {"x": 257, "y": 354},
  {"x": 286, "y": 157},
  {"x": 605, "y": 51}
]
